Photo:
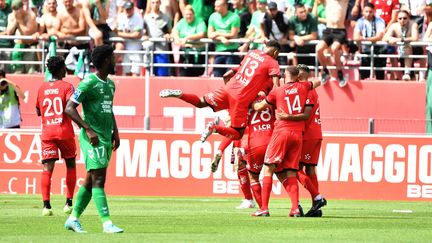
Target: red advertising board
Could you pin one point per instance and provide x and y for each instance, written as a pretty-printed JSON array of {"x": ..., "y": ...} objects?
[
  {"x": 168, "y": 164},
  {"x": 342, "y": 110}
]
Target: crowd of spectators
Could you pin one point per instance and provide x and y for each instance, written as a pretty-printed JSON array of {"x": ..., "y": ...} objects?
[{"x": 338, "y": 28}]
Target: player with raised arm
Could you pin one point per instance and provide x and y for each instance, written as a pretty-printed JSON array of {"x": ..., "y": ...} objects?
[
  {"x": 57, "y": 132},
  {"x": 258, "y": 71},
  {"x": 98, "y": 137},
  {"x": 312, "y": 138},
  {"x": 283, "y": 152}
]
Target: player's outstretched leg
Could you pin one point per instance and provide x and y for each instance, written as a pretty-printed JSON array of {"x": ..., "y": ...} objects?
[
  {"x": 209, "y": 129},
  {"x": 166, "y": 93}
]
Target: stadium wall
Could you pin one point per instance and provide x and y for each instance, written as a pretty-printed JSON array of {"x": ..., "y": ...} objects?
[
  {"x": 366, "y": 167},
  {"x": 397, "y": 107}
]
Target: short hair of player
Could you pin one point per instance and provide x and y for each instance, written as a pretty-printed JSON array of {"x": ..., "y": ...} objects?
[
  {"x": 273, "y": 43},
  {"x": 100, "y": 54},
  {"x": 303, "y": 67},
  {"x": 370, "y": 5},
  {"x": 55, "y": 64},
  {"x": 292, "y": 70},
  {"x": 2, "y": 73}
]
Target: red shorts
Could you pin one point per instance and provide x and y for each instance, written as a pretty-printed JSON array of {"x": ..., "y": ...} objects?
[
  {"x": 50, "y": 149},
  {"x": 310, "y": 151},
  {"x": 284, "y": 150},
  {"x": 237, "y": 109},
  {"x": 255, "y": 158}
]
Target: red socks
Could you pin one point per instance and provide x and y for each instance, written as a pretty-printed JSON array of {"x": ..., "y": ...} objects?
[
  {"x": 266, "y": 191},
  {"x": 224, "y": 144},
  {"x": 46, "y": 185},
  {"x": 228, "y": 132},
  {"x": 243, "y": 176},
  {"x": 256, "y": 189},
  {"x": 70, "y": 182},
  {"x": 191, "y": 99},
  {"x": 307, "y": 183},
  {"x": 314, "y": 180},
  {"x": 291, "y": 187}
]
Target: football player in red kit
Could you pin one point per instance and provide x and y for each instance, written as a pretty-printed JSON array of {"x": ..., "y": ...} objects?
[
  {"x": 57, "y": 132},
  {"x": 312, "y": 138},
  {"x": 284, "y": 150}
]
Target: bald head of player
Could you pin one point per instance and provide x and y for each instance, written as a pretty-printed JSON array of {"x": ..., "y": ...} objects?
[{"x": 272, "y": 48}]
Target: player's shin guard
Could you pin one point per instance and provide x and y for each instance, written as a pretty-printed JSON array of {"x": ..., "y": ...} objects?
[
  {"x": 191, "y": 99},
  {"x": 101, "y": 202},
  {"x": 70, "y": 182},
  {"x": 46, "y": 185},
  {"x": 266, "y": 191},
  {"x": 256, "y": 189},
  {"x": 228, "y": 132},
  {"x": 243, "y": 176},
  {"x": 291, "y": 186},
  {"x": 307, "y": 183},
  {"x": 83, "y": 198}
]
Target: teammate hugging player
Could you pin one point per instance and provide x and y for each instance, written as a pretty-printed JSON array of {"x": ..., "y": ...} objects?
[
  {"x": 283, "y": 152},
  {"x": 258, "y": 71}
]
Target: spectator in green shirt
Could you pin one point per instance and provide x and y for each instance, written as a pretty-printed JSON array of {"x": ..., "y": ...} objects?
[
  {"x": 223, "y": 26},
  {"x": 303, "y": 28},
  {"x": 202, "y": 8},
  {"x": 188, "y": 30}
]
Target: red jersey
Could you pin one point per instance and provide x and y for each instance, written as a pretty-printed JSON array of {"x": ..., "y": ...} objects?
[
  {"x": 290, "y": 98},
  {"x": 313, "y": 124},
  {"x": 51, "y": 101},
  {"x": 384, "y": 8},
  {"x": 253, "y": 75},
  {"x": 260, "y": 124}
]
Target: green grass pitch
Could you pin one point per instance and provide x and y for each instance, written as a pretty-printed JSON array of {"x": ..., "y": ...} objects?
[{"x": 155, "y": 219}]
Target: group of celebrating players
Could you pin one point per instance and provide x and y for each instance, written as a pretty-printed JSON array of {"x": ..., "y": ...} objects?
[
  {"x": 283, "y": 127},
  {"x": 283, "y": 136}
]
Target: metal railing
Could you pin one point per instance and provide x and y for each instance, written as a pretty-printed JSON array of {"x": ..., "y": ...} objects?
[{"x": 148, "y": 54}]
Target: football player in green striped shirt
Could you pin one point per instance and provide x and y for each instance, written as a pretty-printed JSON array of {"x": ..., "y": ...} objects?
[{"x": 98, "y": 137}]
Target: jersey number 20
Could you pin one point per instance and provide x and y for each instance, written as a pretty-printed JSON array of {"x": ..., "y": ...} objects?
[{"x": 54, "y": 106}]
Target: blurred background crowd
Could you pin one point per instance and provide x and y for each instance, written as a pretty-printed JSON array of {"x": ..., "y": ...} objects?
[{"x": 333, "y": 33}]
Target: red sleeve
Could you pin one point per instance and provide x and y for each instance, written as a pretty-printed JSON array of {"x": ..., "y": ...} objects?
[
  {"x": 274, "y": 69},
  {"x": 310, "y": 99},
  {"x": 271, "y": 97},
  {"x": 69, "y": 91}
]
